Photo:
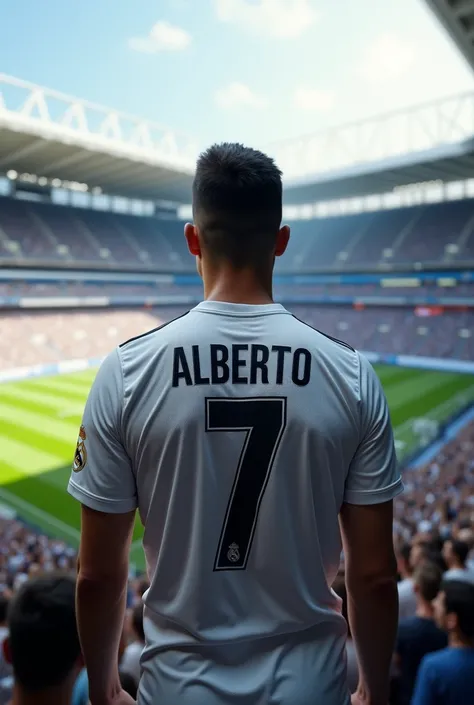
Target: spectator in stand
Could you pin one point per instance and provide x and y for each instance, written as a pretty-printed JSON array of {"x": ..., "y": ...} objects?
[
  {"x": 43, "y": 643},
  {"x": 455, "y": 554},
  {"x": 130, "y": 662},
  {"x": 406, "y": 591},
  {"x": 418, "y": 635},
  {"x": 447, "y": 676}
]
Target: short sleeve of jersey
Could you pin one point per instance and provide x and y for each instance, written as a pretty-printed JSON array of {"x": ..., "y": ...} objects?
[
  {"x": 102, "y": 477},
  {"x": 373, "y": 475}
]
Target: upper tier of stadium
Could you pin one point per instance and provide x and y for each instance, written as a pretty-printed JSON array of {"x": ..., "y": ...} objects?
[
  {"x": 39, "y": 233},
  {"x": 62, "y": 139}
]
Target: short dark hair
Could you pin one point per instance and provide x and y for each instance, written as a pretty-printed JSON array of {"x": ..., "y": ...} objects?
[
  {"x": 428, "y": 577},
  {"x": 137, "y": 621},
  {"x": 237, "y": 203},
  {"x": 43, "y": 637},
  {"x": 459, "y": 600},
  {"x": 460, "y": 550},
  {"x": 404, "y": 551}
]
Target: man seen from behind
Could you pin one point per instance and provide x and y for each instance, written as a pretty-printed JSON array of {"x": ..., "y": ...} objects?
[{"x": 242, "y": 436}]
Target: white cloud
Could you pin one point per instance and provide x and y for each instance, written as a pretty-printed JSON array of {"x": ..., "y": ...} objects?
[
  {"x": 238, "y": 95},
  {"x": 284, "y": 19},
  {"x": 386, "y": 59},
  {"x": 306, "y": 98},
  {"x": 163, "y": 36}
]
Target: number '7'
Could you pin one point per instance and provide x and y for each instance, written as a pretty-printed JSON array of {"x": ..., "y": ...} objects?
[{"x": 263, "y": 419}]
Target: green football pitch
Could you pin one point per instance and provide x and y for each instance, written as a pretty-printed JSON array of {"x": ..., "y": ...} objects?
[{"x": 40, "y": 418}]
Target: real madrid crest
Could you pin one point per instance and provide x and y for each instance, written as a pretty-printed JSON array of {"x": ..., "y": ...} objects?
[
  {"x": 233, "y": 554},
  {"x": 80, "y": 456}
]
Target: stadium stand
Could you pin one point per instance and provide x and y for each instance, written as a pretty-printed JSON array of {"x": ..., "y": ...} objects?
[
  {"x": 30, "y": 338},
  {"x": 41, "y": 231},
  {"x": 147, "y": 289}
]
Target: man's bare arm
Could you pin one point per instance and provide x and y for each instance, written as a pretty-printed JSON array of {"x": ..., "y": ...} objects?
[
  {"x": 101, "y": 597},
  {"x": 371, "y": 581}
]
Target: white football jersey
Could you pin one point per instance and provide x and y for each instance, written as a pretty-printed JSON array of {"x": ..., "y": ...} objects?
[{"x": 238, "y": 432}]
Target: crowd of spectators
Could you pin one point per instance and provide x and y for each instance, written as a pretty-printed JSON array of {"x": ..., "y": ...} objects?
[
  {"x": 33, "y": 567},
  {"x": 40, "y": 337},
  {"x": 437, "y": 233},
  {"x": 434, "y": 541},
  {"x": 430, "y": 292}
]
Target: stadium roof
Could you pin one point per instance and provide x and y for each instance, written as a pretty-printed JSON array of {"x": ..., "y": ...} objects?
[
  {"x": 55, "y": 136},
  {"x": 457, "y": 17},
  {"x": 425, "y": 143}
]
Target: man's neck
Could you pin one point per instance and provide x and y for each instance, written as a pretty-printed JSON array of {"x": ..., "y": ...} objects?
[
  {"x": 54, "y": 696},
  {"x": 458, "y": 641},
  {"x": 456, "y": 565},
  {"x": 424, "y": 610},
  {"x": 239, "y": 287}
]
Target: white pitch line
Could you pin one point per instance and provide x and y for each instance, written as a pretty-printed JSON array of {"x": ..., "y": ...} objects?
[
  {"x": 18, "y": 503},
  {"x": 22, "y": 504}
]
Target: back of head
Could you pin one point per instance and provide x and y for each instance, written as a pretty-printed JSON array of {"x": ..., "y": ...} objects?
[
  {"x": 427, "y": 578},
  {"x": 466, "y": 534},
  {"x": 403, "y": 551},
  {"x": 459, "y": 600},
  {"x": 237, "y": 205},
  {"x": 460, "y": 550},
  {"x": 43, "y": 639}
]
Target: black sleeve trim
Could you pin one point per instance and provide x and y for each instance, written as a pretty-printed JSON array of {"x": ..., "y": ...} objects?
[
  {"x": 335, "y": 340},
  {"x": 149, "y": 332}
]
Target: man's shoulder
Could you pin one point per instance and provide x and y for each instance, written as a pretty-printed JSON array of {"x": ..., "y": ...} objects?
[
  {"x": 437, "y": 659},
  {"x": 322, "y": 337},
  {"x": 163, "y": 329},
  {"x": 408, "y": 623},
  {"x": 408, "y": 628}
]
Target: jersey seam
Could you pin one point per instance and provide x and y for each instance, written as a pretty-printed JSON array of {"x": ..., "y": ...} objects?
[
  {"x": 153, "y": 330},
  {"x": 326, "y": 335},
  {"x": 242, "y": 315},
  {"x": 379, "y": 490},
  {"x": 359, "y": 396},
  {"x": 96, "y": 497},
  {"x": 122, "y": 397}
]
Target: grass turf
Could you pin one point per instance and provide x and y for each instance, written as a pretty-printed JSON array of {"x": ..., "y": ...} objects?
[{"x": 39, "y": 421}]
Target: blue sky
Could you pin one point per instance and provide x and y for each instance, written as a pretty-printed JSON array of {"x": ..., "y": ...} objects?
[{"x": 252, "y": 70}]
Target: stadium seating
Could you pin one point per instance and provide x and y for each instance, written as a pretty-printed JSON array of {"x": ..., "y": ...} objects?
[
  {"x": 441, "y": 233},
  {"x": 147, "y": 289},
  {"x": 31, "y": 338}
]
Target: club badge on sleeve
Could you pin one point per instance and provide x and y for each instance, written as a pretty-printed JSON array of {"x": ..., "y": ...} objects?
[{"x": 80, "y": 456}]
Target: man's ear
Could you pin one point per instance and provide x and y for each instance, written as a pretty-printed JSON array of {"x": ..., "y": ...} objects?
[
  {"x": 7, "y": 651},
  {"x": 192, "y": 238},
  {"x": 282, "y": 240}
]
